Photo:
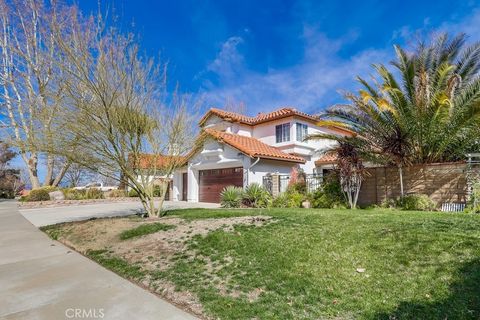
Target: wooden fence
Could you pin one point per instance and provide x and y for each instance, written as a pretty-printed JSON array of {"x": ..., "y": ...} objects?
[{"x": 443, "y": 183}]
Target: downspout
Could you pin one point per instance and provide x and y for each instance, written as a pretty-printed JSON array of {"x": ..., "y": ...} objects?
[{"x": 251, "y": 166}]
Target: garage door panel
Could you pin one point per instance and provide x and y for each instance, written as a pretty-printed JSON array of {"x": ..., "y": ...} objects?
[{"x": 212, "y": 182}]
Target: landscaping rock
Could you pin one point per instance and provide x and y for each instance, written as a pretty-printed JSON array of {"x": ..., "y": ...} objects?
[{"x": 56, "y": 195}]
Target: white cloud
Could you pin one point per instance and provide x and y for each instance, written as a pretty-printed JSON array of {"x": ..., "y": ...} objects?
[
  {"x": 229, "y": 61},
  {"x": 470, "y": 25},
  {"x": 311, "y": 85}
]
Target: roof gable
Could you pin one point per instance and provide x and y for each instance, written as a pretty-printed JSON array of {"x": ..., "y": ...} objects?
[
  {"x": 252, "y": 147},
  {"x": 260, "y": 118},
  {"x": 265, "y": 117}
]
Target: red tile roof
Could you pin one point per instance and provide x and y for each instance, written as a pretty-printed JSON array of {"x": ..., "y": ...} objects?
[
  {"x": 266, "y": 117},
  {"x": 260, "y": 118},
  {"x": 327, "y": 158},
  {"x": 253, "y": 147},
  {"x": 150, "y": 161}
]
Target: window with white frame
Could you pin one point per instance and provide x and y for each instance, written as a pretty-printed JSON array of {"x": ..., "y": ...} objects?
[
  {"x": 282, "y": 132},
  {"x": 302, "y": 131}
]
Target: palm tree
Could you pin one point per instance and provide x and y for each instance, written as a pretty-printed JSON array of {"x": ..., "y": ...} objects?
[{"x": 427, "y": 109}]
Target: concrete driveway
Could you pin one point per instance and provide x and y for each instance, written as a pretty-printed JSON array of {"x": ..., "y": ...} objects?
[
  {"x": 42, "y": 279},
  {"x": 52, "y": 215}
]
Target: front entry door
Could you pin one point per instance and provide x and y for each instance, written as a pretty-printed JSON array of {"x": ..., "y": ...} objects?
[{"x": 184, "y": 186}]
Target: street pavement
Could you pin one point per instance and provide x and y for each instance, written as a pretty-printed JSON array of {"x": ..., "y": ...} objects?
[{"x": 42, "y": 279}]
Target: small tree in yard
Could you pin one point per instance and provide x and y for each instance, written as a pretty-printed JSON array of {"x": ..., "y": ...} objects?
[
  {"x": 351, "y": 171},
  {"x": 349, "y": 166},
  {"x": 10, "y": 183},
  {"x": 122, "y": 123}
]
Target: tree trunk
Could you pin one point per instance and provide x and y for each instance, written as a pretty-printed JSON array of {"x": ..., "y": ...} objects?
[
  {"x": 32, "y": 163},
  {"x": 357, "y": 192},
  {"x": 61, "y": 174},
  {"x": 123, "y": 181},
  {"x": 400, "y": 172},
  {"x": 48, "y": 176},
  {"x": 148, "y": 203},
  {"x": 162, "y": 197}
]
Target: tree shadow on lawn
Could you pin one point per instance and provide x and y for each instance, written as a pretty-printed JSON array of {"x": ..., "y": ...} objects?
[{"x": 463, "y": 301}]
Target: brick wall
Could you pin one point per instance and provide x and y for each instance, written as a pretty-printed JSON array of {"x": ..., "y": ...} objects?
[{"x": 443, "y": 182}]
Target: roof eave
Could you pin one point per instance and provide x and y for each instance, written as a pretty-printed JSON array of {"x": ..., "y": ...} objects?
[{"x": 280, "y": 159}]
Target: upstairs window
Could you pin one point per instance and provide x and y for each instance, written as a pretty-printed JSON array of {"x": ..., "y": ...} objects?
[
  {"x": 302, "y": 131},
  {"x": 282, "y": 132}
]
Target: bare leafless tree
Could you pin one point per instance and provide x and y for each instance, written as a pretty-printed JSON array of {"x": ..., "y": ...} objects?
[
  {"x": 122, "y": 122},
  {"x": 76, "y": 175},
  {"x": 30, "y": 81},
  {"x": 234, "y": 106}
]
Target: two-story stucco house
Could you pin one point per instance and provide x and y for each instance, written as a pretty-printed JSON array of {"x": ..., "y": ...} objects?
[{"x": 239, "y": 150}]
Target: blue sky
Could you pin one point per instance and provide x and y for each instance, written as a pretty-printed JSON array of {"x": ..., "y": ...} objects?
[{"x": 268, "y": 54}]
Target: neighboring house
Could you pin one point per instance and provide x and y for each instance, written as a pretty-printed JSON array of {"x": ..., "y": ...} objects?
[{"x": 239, "y": 150}]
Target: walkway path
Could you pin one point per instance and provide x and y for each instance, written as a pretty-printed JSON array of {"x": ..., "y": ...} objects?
[
  {"x": 51, "y": 215},
  {"x": 42, "y": 279}
]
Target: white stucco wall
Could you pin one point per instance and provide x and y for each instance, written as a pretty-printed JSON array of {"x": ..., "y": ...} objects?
[
  {"x": 241, "y": 129},
  {"x": 265, "y": 132},
  {"x": 214, "y": 155},
  {"x": 218, "y": 123},
  {"x": 177, "y": 185},
  {"x": 309, "y": 150},
  {"x": 263, "y": 167}
]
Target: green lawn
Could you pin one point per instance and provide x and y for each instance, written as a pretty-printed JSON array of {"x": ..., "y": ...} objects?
[
  {"x": 144, "y": 229},
  {"x": 304, "y": 265}
]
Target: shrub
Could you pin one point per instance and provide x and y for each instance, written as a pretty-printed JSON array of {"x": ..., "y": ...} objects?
[
  {"x": 40, "y": 194},
  {"x": 473, "y": 205},
  {"x": 231, "y": 197},
  {"x": 329, "y": 195},
  {"x": 49, "y": 188},
  {"x": 299, "y": 187},
  {"x": 416, "y": 202},
  {"x": 289, "y": 199},
  {"x": 74, "y": 194},
  {"x": 281, "y": 201},
  {"x": 132, "y": 193},
  {"x": 256, "y": 196},
  {"x": 116, "y": 193},
  {"x": 389, "y": 203},
  {"x": 298, "y": 180},
  {"x": 158, "y": 191},
  {"x": 94, "y": 193}
]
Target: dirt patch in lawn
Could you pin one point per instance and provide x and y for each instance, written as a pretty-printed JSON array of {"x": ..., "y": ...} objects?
[
  {"x": 155, "y": 252},
  {"x": 166, "y": 244}
]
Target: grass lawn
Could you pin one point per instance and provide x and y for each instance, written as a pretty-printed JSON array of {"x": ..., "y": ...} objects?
[{"x": 299, "y": 264}]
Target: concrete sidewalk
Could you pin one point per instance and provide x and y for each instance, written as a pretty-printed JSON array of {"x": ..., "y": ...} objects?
[
  {"x": 52, "y": 215},
  {"x": 42, "y": 279}
]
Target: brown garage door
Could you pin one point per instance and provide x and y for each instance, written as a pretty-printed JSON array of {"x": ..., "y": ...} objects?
[{"x": 213, "y": 181}]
